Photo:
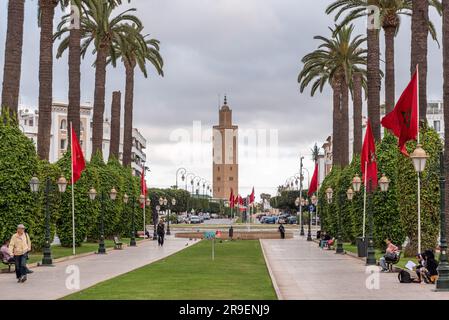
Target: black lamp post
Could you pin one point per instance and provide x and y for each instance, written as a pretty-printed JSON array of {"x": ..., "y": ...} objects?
[
  {"x": 92, "y": 196},
  {"x": 309, "y": 232},
  {"x": 132, "y": 242},
  {"x": 173, "y": 203},
  {"x": 329, "y": 197},
  {"x": 443, "y": 267},
  {"x": 183, "y": 172},
  {"x": 34, "y": 186},
  {"x": 155, "y": 221}
]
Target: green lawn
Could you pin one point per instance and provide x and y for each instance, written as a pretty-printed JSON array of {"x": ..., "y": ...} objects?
[
  {"x": 353, "y": 248},
  {"x": 61, "y": 252},
  {"x": 238, "y": 272}
]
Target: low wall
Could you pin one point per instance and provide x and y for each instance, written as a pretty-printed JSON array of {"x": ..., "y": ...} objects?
[{"x": 256, "y": 235}]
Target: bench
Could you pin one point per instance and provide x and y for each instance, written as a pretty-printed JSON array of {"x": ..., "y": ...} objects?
[
  {"x": 392, "y": 263},
  {"x": 118, "y": 245},
  {"x": 9, "y": 264}
]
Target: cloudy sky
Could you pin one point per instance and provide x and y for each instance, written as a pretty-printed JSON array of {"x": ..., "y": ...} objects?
[{"x": 251, "y": 51}]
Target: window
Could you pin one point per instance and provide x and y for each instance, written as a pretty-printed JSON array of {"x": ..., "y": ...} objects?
[
  {"x": 30, "y": 123},
  {"x": 219, "y": 179},
  {"x": 231, "y": 178},
  {"x": 218, "y": 168},
  {"x": 231, "y": 168},
  {"x": 437, "y": 125},
  {"x": 63, "y": 125},
  {"x": 63, "y": 145}
]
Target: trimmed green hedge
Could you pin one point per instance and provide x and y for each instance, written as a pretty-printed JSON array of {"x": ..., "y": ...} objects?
[{"x": 394, "y": 212}]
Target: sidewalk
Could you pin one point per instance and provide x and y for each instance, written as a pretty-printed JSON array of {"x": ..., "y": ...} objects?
[
  {"x": 49, "y": 283},
  {"x": 302, "y": 271}
]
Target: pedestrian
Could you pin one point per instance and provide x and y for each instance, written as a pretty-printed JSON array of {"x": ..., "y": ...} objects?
[
  {"x": 19, "y": 246},
  {"x": 390, "y": 255},
  {"x": 160, "y": 233},
  {"x": 282, "y": 231},
  {"x": 147, "y": 234},
  {"x": 231, "y": 233}
]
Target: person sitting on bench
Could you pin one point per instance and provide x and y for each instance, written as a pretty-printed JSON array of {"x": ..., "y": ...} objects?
[
  {"x": 7, "y": 258},
  {"x": 429, "y": 272},
  {"x": 324, "y": 242},
  {"x": 390, "y": 255}
]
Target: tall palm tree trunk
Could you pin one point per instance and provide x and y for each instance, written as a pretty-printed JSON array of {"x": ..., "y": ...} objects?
[
  {"x": 13, "y": 56},
  {"x": 420, "y": 32},
  {"x": 357, "y": 113},
  {"x": 446, "y": 103},
  {"x": 128, "y": 127},
  {"x": 99, "y": 100},
  {"x": 73, "y": 110},
  {"x": 114, "y": 146},
  {"x": 47, "y": 8},
  {"x": 373, "y": 78},
  {"x": 344, "y": 123},
  {"x": 390, "y": 32},
  {"x": 336, "y": 128}
]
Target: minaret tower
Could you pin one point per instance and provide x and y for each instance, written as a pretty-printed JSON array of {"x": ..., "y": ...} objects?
[{"x": 225, "y": 155}]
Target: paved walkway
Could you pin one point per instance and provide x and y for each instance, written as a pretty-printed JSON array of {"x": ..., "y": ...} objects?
[
  {"x": 49, "y": 283},
  {"x": 302, "y": 270}
]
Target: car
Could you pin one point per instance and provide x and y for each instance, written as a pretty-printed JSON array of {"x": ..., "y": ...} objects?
[
  {"x": 269, "y": 220},
  {"x": 206, "y": 216},
  {"x": 195, "y": 220},
  {"x": 292, "y": 220}
]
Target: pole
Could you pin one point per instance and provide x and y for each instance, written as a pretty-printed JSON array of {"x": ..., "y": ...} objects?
[
  {"x": 300, "y": 198},
  {"x": 364, "y": 200},
  {"x": 213, "y": 249},
  {"x": 133, "y": 231},
  {"x": 101, "y": 247},
  {"x": 73, "y": 194},
  {"x": 419, "y": 175},
  {"x": 47, "y": 259},
  {"x": 370, "y": 257},
  {"x": 339, "y": 249},
  {"x": 443, "y": 267}
]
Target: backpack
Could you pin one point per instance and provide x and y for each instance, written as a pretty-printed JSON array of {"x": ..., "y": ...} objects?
[{"x": 404, "y": 277}]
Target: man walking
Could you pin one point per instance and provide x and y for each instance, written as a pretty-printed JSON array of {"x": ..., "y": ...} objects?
[
  {"x": 160, "y": 233},
  {"x": 19, "y": 246}
]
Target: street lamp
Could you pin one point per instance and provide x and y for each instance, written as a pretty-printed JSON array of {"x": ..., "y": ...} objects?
[
  {"x": 350, "y": 194},
  {"x": 183, "y": 172},
  {"x": 419, "y": 159},
  {"x": 173, "y": 203},
  {"x": 132, "y": 242},
  {"x": 384, "y": 183},
  {"x": 92, "y": 195},
  {"x": 47, "y": 259},
  {"x": 357, "y": 183},
  {"x": 329, "y": 197},
  {"x": 301, "y": 217}
]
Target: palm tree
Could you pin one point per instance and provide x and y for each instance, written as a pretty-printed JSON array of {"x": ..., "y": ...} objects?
[
  {"x": 335, "y": 62},
  {"x": 390, "y": 12},
  {"x": 446, "y": 102},
  {"x": 135, "y": 51},
  {"x": 46, "y": 16},
  {"x": 100, "y": 28},
  {"x": 73, "y": 44},
  {"x": 358, "y": 83},
  {"x": 421, "y": 25},
  {"x": 13, "y": 56},
  {"x": 114, "y": 145}
]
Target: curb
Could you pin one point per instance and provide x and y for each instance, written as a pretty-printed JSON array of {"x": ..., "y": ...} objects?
[{"x": 270, "y": 272}]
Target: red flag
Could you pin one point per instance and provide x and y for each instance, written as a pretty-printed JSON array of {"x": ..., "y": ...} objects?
[
  {"x": 314, "y": 183},
  {"x": 240, "y": 200},
  {"x": 143, "y": 186},
  {"x": 231, "y": 199},
  {"x": 403, "y": 120},
  {"x": 236, "y": 200},
  {"x": 252, "y": 197},
  {"x": 78, "y": 162},
  {"x": 368, "y": 159}
]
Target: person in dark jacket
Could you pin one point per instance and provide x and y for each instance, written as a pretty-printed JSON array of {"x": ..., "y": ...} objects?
[
  {"x": 282, "y": 231},
  {"x": 429, "y": 272},
  {"x": 160, "y": 233},
  {"x": 231, "y": 233}
]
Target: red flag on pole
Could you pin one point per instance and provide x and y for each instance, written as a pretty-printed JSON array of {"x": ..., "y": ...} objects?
[
  {"x": 252, "y": 197},
  {"x": 314, "y": 183},
  {"x": 143, "y": 186},
  {"x": 368, "y": 158},
  {"x": 231, "y": 199},
  {"x": 78, "y": 162},
  {"x": 403, "y": 120}
]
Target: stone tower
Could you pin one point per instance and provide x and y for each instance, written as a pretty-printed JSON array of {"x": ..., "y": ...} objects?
[{"x": 225, "y": 155}]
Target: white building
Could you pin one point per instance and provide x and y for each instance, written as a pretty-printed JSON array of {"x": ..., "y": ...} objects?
[{"x": 28, "y": 121}]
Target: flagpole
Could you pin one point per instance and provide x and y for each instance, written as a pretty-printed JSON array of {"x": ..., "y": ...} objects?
[
  {"x": 73, "y": 192},
  {"x": 419, "y": 175},
  {"x": 364, "y": 199}
]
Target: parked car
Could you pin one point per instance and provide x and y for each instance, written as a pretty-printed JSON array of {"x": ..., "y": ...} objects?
[
  {"x": 292, "y": 220},
  {"x": 269, "y": 220},
  {"x": 195, "y": 220},
  {"x": 206, "y": 216}
]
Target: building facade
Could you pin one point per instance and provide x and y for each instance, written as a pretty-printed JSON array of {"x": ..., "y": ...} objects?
[
  {"x": 225, "y": 155},
  {"x": 60, "y": 130}
]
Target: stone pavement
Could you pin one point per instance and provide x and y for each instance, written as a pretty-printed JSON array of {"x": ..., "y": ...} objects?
[
  {"x": 302, "y": 271},
  {"x": 48, "y": 283}
]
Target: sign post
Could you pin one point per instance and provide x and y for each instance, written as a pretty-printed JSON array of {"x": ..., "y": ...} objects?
[{"x": 210, "y": 235}]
